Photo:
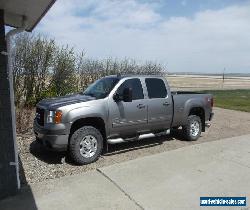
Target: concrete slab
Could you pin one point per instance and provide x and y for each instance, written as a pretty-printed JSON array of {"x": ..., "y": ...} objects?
[
  {"x": 177, "y": 179},
  {"x": 89, "y": 191}
]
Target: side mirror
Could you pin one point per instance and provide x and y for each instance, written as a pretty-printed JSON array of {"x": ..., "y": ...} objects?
[
  {"x": 117, "y": 97},
  {"x": 127, "y": 95}
]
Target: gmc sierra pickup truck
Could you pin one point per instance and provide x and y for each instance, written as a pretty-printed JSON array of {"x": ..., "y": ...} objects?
[{"x": 117, "y": 109}]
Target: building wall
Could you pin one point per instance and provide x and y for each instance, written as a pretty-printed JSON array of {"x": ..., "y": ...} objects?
[{"x": 8, "y": 179}]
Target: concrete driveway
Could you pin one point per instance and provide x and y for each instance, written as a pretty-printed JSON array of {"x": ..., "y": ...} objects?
[{"x": 170, "y": 180}]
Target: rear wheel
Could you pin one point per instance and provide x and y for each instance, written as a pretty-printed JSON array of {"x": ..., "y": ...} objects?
[
  {"x": 85, "y": 145},
  {"x": 192, "y": 130}
]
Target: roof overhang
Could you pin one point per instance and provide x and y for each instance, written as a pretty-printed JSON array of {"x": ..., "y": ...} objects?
[{"x": 32, "y": 11}]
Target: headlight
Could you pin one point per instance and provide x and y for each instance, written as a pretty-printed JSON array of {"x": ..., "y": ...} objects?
[{"x": 54, "y": 117}]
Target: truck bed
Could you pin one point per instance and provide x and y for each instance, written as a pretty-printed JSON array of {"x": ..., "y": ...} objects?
[
  {"x": 183, "y": 92},
  {"x": 183, "y": 100}
]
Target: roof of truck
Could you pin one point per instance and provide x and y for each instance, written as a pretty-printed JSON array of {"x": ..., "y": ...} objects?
[{"x": 133, "y": 75}]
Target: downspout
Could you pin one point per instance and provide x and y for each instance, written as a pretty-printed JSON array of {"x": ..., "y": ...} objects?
[{"x": 12, "y": 100}]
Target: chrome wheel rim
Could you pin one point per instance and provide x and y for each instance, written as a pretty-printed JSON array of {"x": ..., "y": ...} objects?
[
  {"x": 194, "y": 128},
  {"x": 88, "y": 146}
]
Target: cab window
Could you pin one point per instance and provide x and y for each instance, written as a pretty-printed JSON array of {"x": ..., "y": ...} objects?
[
  {"x": 156, "y": 88},
  {"x": 135, "y": 84}
]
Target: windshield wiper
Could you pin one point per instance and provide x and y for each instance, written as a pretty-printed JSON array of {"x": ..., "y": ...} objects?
[{"x": 89, "y": 94}]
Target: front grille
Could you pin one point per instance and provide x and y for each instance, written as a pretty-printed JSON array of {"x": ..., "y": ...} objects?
[{"x": 40, "y": 116}]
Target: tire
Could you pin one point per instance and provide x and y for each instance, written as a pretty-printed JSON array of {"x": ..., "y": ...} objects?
[
  {"x": 39, "y": 141},
  {"x": 85, "y": 145},
  {"x": 192, "y": 130}
]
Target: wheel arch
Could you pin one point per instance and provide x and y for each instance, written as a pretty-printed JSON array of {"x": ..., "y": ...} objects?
[
  {"x": 200, "y": 112},
  {"x": 96, "y": 122}
]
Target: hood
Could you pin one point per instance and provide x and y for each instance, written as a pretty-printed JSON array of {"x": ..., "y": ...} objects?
[{"x": 54, "y": 103}]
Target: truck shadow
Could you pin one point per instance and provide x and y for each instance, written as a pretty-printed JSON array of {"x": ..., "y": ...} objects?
[
  {"x": 52, "y": 157},
  {"x": 144, "y": 143},
  {"x": 47, "y": 156},
  {"x": 136, "y": 145}
]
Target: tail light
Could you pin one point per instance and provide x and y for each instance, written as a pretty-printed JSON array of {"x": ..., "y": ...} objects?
[{"x": 212, "y": 102}]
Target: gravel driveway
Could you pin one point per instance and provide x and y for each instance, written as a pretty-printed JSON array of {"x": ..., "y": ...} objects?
[{"x": 38, "y": 164}]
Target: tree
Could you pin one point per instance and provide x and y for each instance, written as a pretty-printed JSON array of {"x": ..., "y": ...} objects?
[{"x": 64, "y": 72}]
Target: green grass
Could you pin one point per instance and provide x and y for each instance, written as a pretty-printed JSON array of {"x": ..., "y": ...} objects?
[{"x": 231, "y": 99}]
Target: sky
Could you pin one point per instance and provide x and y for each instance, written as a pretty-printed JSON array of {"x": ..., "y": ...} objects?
[{"x": 203, "y": 36}]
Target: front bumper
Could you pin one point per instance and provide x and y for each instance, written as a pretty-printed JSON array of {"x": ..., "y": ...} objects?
[{"x": 51, "y": 138}]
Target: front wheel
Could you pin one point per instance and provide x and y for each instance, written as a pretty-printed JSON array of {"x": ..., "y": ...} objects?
[
  {"x": 192, "y": 130},
  {"x": 85, "y": 145}
]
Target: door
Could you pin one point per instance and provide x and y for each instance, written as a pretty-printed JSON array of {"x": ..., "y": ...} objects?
[
  {"x": 128, "y": 118},
  {"x": 160, "y": 107}
]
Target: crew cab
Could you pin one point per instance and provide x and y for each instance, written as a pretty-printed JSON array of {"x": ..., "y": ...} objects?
[{"x": 117, "y": 109}]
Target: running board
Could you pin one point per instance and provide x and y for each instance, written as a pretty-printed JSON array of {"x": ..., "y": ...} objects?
[{"x": 143, "y": 136}]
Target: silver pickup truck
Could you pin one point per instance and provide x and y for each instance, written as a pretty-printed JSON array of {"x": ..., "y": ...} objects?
[{"x": 117, "y": 109}]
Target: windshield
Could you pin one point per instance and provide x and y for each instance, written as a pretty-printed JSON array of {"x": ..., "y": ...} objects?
[{"x": 101, "y": 88}]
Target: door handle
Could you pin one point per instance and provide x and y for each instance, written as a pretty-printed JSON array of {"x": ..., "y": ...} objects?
[
  {"x": 166, "y": 103},
  {"x": 141, "y": 106}
]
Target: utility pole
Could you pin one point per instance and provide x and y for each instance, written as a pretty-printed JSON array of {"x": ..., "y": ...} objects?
[{"x": 223, "y": 77}]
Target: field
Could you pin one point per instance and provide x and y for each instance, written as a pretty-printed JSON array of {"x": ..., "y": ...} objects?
[
  {"x": 232, "y": 99},
  {"x": 199, "y": 82},
  {"x": 233, "y": 93}
]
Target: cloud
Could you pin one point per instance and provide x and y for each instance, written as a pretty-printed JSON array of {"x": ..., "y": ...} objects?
[
  {"x": 206, "y": 42},
  {"x": 184, "y": 3}
]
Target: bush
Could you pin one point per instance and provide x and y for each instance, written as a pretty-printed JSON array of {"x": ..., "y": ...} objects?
[{"x": 24, "y": 119}]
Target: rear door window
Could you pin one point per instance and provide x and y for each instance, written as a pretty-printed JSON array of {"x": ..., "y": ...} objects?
[{"x": 156, "y": 88}]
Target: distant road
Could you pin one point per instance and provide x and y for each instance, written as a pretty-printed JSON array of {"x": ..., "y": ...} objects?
[{"x": 203, "y": 82}]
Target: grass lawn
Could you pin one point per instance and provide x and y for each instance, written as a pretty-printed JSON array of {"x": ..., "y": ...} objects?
[{"x": 232, "y": 99}]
